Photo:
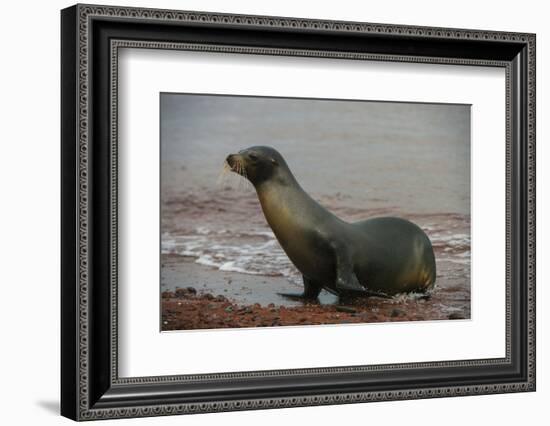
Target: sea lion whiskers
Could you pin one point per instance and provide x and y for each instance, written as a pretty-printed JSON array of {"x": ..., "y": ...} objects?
[
  {"x": 227, "y": 172},
  {"x": 224, "y": 173},
  {"x": 243, "y": 183}
]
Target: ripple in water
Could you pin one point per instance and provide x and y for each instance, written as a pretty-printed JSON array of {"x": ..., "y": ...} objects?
[{"x": 257, "y": 252}]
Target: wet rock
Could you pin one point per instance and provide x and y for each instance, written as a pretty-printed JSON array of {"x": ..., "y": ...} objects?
[
  {"x": 186, "y": 292},
  {"x": 396, "y": 313},
  {"x": 346, "y": 309}
]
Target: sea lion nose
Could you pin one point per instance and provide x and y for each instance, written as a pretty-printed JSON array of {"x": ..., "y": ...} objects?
[{"x": 230, "y": 160}]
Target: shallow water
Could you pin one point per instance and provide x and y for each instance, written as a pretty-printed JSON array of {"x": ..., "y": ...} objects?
[{"x": 359, "y": 160}]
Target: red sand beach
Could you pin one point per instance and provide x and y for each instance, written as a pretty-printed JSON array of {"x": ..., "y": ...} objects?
[{"x": 234, "y": 300}]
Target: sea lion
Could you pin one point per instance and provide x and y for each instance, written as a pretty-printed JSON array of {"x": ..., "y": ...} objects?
[{"x": 379, "y": 256}]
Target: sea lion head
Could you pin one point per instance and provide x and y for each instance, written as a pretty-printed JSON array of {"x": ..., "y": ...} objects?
[{"x": 259, "y": 164}]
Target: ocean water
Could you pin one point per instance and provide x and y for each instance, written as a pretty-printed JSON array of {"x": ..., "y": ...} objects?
[{"x": 358, "y": 159}]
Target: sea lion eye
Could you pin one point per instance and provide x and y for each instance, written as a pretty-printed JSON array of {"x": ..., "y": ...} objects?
[{"x": 253, "y": 157}]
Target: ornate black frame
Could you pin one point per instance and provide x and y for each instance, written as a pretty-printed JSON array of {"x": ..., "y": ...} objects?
[{"x": 91, "y": 37}]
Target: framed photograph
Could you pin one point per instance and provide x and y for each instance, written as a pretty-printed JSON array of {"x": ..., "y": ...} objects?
[{"x": 263, "y": 212}]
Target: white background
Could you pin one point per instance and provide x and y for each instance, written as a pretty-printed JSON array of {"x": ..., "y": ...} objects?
[
  {"x": 29, "y": 225},
  {"x": 140, "y": 343}
]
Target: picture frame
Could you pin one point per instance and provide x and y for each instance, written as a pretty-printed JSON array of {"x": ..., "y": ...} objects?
[{"x": 90, "y": 384}]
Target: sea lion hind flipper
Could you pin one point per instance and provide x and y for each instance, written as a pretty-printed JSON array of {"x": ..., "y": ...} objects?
[
  {"x": 346, "y": 279},
  {"x": 348, "y": 282}
]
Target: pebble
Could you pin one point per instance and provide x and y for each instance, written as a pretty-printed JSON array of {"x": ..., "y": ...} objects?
[
  {"x": 229, "y": 309},
  {"x": 396, "y": 313}
]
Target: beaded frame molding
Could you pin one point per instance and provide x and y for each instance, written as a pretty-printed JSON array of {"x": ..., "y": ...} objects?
[{"x": 91, "y": 38}]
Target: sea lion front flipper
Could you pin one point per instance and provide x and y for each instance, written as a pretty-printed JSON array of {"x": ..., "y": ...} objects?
[
  {"x": 299, "y": 297},
  {"x": 310, "y": 294}
]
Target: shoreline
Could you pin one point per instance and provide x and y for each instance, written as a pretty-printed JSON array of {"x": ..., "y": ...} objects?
[
  {"x": 207, "y": 298},
  {"x": 243, "y": 289}
]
